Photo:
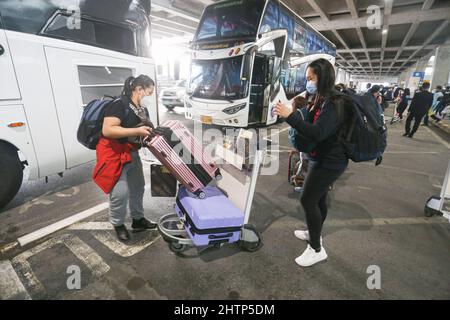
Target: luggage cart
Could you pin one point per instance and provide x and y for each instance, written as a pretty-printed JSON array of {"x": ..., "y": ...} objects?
[
  {"x": 172, "y": 230},
  {"x": 435, "y": 204}
]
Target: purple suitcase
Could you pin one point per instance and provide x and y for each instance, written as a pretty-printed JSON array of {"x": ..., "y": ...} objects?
[{"x": 209, "y": 221}]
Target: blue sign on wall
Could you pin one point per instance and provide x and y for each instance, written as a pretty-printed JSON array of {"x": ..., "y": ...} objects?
[{"x": 420, "y": 75}]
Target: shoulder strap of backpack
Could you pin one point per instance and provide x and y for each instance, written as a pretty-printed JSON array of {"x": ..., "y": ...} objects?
[{"x": 347, "y": 100}]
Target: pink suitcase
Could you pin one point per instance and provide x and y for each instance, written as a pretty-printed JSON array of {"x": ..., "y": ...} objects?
[
  {"x": 177, "y": 149},
  {"x": 188, "y": 140}
]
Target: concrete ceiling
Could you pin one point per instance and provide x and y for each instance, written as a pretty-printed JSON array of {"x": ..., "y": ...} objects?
[{"x": 409, "y": 30}]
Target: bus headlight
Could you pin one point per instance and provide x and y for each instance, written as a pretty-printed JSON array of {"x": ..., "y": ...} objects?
[{"x": 234, "y": 109}]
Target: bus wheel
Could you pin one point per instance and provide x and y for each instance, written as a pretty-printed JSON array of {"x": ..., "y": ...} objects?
[{"x": 11, "y": 174}]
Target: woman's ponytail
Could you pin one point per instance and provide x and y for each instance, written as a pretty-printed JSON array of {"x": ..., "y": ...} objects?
[{"x": 128, "y": 87}]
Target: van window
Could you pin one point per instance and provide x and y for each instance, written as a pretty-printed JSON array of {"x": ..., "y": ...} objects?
[
  {"x": 100, "y": 34},
  {"x": 125, "y": 29},
  {"x": 99, "y": 81},
  {"x": 25, "y": 16}
]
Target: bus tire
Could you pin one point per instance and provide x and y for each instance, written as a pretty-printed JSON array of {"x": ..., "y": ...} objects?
[{"x": 11, "y": 174}]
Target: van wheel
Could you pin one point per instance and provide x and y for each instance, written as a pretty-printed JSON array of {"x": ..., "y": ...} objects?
[{"x": 11, "y": 174}]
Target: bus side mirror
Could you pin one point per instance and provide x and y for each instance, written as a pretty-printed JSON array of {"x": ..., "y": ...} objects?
[
  {"x": 248, "y": 63},
  {"x": 277, "y": 66},
  {"x": 280, "y": 45}
]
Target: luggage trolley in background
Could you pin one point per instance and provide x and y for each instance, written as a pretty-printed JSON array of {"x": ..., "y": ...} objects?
[
  {"x": 435, "y": 205},
  {"x": 234, "y": 194}
]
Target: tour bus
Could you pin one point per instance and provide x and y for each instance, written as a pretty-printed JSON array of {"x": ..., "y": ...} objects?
[
  {"x": 247, "y": 55},
  {"x": 55, "y": 57}
]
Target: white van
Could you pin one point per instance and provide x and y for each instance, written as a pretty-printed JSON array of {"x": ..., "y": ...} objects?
[{"x": 53, "y": 61}]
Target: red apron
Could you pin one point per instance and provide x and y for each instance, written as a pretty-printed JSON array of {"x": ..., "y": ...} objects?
[{"x": 112, "y": 156}]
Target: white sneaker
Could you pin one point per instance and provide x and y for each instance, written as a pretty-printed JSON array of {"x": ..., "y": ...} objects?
[
  {"x": 310, "y": 257},
  {"x": 304, "y": 235}
]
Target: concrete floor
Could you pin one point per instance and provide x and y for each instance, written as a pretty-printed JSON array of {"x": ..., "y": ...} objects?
[{"x": 376, "y": 218}]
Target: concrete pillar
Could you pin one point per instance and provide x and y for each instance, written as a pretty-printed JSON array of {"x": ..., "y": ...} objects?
[
  {"x": 176, "y": 70},
  {"x": 168, "y": 69},
  {"x": 340, "y": 76},
  {"x": 441, "y": 74},
  {"x": 421, "y": 65},
  {"x": 405, "y": 75},
  {"x": 347, "y": 78}
]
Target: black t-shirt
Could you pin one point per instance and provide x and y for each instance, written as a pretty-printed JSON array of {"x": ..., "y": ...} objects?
[
  {"x": 121, "y": 109},
  {"x": 324, "y": 131}
]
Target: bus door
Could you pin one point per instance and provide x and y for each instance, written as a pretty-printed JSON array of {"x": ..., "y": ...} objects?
[
  {"x": 258, "y": 85},
  {"x": 271, "y": 52},
  {"x": 8, "y": 81},
  {"x": 78, "y": 78},
  {"x": 273, "y": 89}
]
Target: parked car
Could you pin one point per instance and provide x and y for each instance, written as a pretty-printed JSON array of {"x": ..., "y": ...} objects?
[{"x": 174, "y": 96}]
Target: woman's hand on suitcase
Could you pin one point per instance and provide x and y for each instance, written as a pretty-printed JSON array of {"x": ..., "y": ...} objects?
[{"x": 143, "y": 131}]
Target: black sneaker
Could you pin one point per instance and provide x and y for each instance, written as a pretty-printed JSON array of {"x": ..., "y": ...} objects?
[
  {"x": 406, "y": 134},
  {"x": 143, "y": 224},
  {"x": 122, "y": 233}
]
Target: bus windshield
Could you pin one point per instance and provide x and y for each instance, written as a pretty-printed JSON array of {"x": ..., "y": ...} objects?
[
  {"x": 217, "y": 79},
  {"x": 230, "y": 19}
]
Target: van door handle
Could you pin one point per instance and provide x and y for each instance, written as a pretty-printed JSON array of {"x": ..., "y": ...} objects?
[{"x": 2, "y": 50}]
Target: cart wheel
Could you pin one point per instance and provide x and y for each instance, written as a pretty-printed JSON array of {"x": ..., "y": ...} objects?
[
  {"x": 251, "y": 246},
  {"x": 428, "y": 213},
  {"x": 202, "y": 195},
  {"x": 219, "y": 177},
  {"x": 176, "y": 247}
]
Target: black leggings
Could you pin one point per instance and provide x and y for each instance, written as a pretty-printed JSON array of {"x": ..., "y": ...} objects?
[{"x": 313, "y": 199}]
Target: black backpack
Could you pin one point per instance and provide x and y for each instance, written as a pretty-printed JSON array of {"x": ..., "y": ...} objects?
[
  {"x": 90, "y": 128},
  {"x": 366, "y": 137}
]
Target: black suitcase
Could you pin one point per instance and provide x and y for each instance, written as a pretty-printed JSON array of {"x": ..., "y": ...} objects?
[{"x": 163, "y": 183}]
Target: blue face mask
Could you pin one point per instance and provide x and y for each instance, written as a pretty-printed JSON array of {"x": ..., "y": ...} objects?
[{"x": 311, "y": 87}]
